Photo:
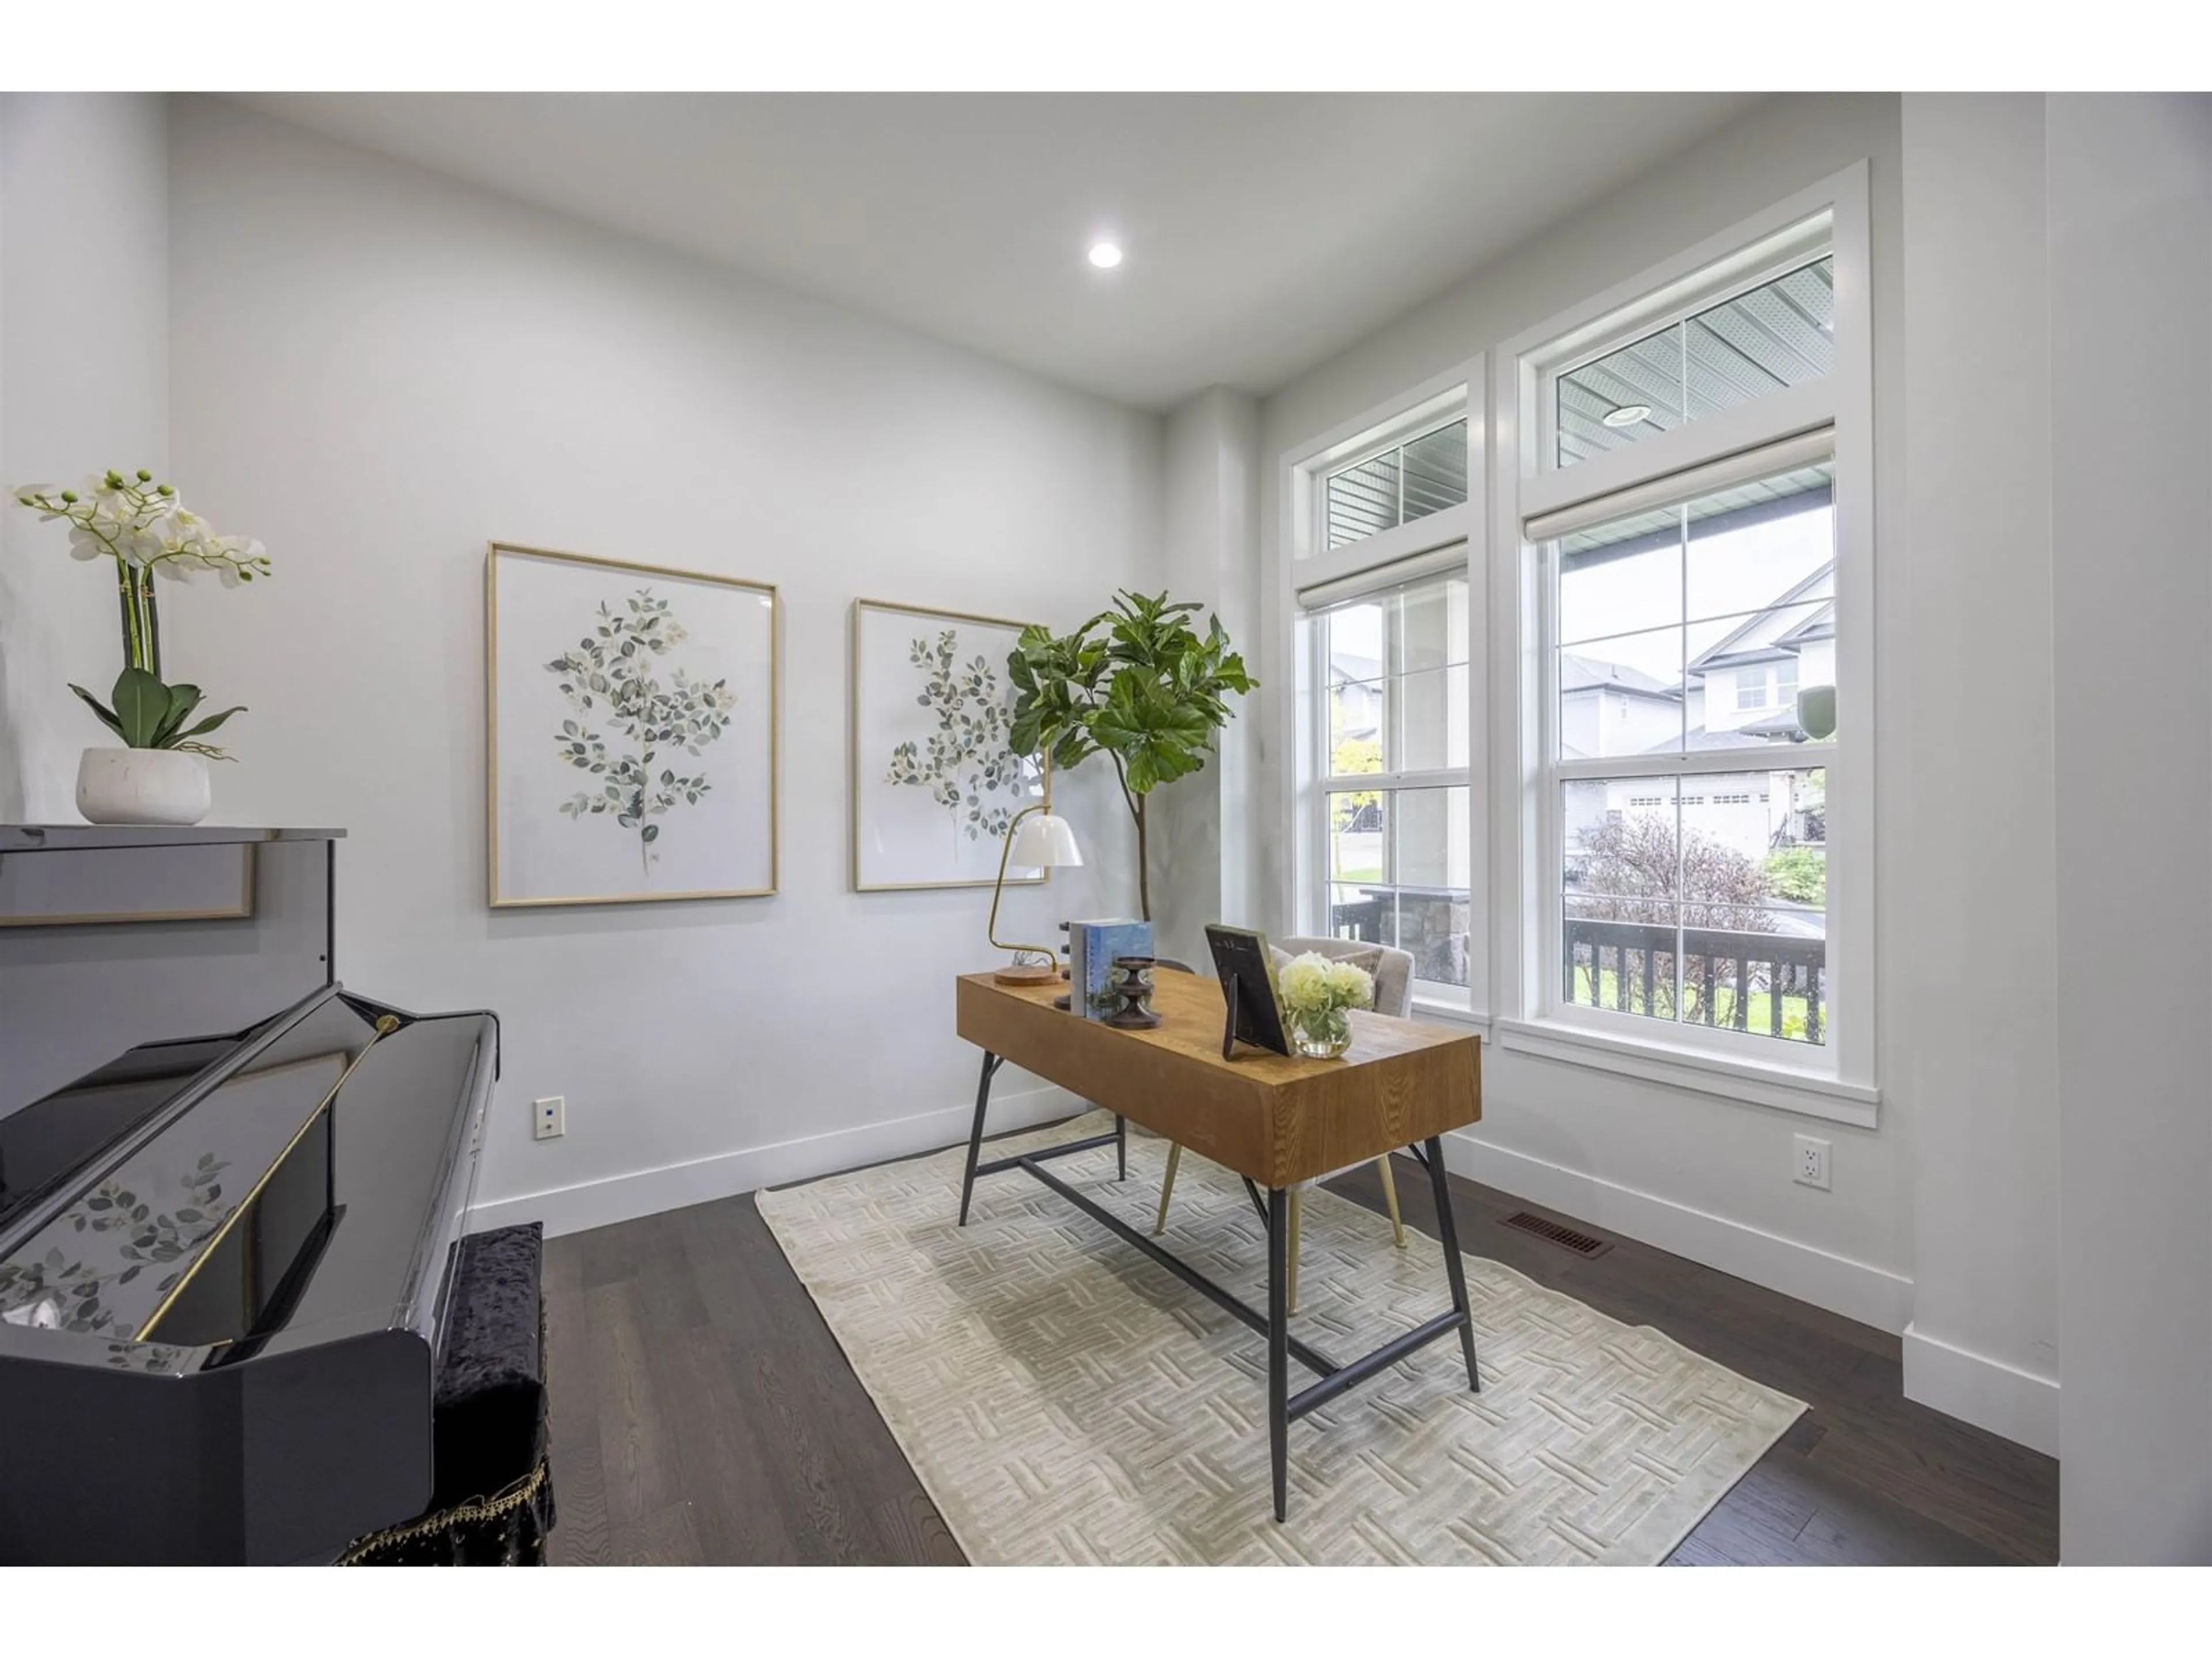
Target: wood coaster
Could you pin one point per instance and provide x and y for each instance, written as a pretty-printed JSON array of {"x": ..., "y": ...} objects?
[{"x": 1026, "y": 973}]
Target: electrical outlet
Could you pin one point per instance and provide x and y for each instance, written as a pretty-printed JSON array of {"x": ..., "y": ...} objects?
[
  {"x": 550, "y": 1116},
  {"x": 1809, "y": 1166}
]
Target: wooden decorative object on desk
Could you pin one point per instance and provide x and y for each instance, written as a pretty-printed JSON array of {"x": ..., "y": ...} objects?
[
  {"x": 1134, "y": 989},
  {"x": 1027, "y": 973}
]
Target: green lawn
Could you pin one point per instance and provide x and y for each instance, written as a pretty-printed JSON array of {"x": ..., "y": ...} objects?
[{"x": 1756, "y": 1016}]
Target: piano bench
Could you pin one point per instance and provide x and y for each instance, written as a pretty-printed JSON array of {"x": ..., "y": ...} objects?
[{"x": 493, "y": 1502}]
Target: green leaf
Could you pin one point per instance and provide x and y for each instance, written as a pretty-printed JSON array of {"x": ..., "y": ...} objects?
[
  {"x": 208, "y": 724},
  {"x": 107, "y": 718},
  {"x": 142, "y": 703},
  {"x": 183, "y": 699}
]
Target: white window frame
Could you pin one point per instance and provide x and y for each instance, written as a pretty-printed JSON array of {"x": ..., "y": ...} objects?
[
  {"x": 1453, "y": 539},
  {"x": 1837, "y": 1080}
]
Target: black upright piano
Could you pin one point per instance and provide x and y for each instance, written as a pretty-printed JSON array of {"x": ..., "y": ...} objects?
[{"x": 232, "y": 1194}]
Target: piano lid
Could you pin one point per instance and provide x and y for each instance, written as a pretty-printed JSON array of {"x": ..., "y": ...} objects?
[
  {"x": 127, "y": 1247},
  {"x": 42, "y": 1144}
]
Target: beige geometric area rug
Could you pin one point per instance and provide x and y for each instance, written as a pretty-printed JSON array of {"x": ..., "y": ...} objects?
[{"x": 1064, "y": 1400}]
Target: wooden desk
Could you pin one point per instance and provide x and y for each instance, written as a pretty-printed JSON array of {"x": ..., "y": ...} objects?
[{"x": 1273, "y": 1120}]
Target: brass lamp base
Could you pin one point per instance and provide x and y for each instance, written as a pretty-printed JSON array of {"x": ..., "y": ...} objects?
[{"x": 1027, "y": 973}]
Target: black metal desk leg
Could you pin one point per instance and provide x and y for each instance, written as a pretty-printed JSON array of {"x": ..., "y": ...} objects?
[
  {"x": 1455, "y": 1267},
  {"x": 1278, "y": 1342},
  {"x": 975, "y": 1135},
  {"x": 1122, "y": 1145}
]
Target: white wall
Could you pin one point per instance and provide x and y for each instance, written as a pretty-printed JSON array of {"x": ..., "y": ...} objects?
[
  {"x": 2131, "y": 259},
  {"x": 1707, "y": 1177},
  {"x": 376, "y": 371},
  {"x": 1978, "y": 1015},
  {"x": 84, "y": 385},
  {"x": 1202, "y": 847}
]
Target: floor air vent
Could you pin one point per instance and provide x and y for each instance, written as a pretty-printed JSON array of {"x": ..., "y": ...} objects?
[{"x": 1551, "y": 1232}]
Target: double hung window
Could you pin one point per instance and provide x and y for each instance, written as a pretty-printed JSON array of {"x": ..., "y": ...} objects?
[
  {"x": 1690, "y": 508},
  {"x": 1386, "y": 630},
  {"x": 1392, "y": 717}
]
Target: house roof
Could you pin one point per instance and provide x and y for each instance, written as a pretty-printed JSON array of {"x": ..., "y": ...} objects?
[
  {"x": 1781, "y": 724},
  {"x": 1776, "y": 630},
  {"x": 1587, "y": 673}
]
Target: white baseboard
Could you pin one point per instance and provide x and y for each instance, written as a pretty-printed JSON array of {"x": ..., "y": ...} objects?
[
  {"x": 648, "y": 1191},
  {"x": 1873, "y": 1296},
  {"x": 1988, "y": 1392}
]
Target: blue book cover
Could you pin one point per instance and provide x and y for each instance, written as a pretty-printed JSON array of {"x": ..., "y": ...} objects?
[
  {"x": 1078, "y": 935},
  {"x": 1103, "y": 941}
]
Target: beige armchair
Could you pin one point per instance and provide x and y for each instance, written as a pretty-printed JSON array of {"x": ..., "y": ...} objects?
[{"x": 1393, "y": 972}]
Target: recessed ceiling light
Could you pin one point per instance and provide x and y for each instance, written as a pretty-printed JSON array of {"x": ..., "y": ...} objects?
[
  {"x": 1629, "y": 415},
  {"x": 1105, "y": 255}
]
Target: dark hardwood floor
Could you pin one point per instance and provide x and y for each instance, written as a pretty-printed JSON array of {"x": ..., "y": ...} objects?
[{"x": 703, "y": 1412}]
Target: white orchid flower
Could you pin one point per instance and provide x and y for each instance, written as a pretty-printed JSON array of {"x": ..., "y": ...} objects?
[
  {"x": 143, "y": 543},
  {"x": 183, "y": 524},
  {"x": 83, "y": 544},
  {"x": 141, "y": 525}
]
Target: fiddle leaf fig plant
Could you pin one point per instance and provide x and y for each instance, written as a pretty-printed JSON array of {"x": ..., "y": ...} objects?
[
  {"x": 145, "y": 529},
  {"x": 1137, "y": 683}
]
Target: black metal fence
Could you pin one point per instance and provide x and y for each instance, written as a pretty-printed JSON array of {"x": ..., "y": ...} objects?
[{"x": 1722, "y": 972}]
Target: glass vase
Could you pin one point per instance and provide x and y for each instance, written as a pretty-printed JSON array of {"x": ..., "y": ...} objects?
[{"x": 1324, "y": 1035}]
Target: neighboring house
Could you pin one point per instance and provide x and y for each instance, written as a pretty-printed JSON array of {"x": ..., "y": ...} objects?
[
  {"x": 1359, "y": 686},
  {"x": 1741, "y": 690},
  {"x": 1746, "y": 685},
  {"x": 1610, "y": 708}
]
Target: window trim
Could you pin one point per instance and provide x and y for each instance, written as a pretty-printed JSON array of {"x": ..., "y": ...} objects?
[
  {"x": 1529, "y": 481},
  {"x": 1307, "y": 567}
]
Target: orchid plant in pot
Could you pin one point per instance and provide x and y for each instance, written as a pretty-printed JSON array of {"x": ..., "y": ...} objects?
[{"x": 160, "y": 774}]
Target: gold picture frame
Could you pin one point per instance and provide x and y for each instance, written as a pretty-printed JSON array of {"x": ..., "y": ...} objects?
[
  {"x": 852, "y": 738},
  {"x": 771, "y": 596}
]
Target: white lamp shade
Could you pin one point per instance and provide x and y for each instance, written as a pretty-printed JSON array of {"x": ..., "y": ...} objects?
[{"x": 1044, "y": 842}]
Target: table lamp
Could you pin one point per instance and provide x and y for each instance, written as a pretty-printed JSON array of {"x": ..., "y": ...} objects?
[{"x": 1037, "y": 839}]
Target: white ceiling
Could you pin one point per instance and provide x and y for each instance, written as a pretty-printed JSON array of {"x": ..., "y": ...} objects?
[{"x": 1264, "y": 231}]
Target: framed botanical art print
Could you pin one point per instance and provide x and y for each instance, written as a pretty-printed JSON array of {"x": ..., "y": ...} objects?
[
  {"x": 632, "y": 732},
  {"x": 934, "y": 785}
]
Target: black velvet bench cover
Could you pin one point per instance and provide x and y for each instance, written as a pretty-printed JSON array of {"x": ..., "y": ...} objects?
[{"x": 493, "y": 1501}]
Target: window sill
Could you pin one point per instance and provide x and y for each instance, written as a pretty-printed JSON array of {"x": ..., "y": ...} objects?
[
  {"x": 1440, "y": 1012},
  {"x": 1782, "y": 1088}
]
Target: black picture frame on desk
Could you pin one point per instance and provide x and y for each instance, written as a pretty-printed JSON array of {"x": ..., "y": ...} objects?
[{"x": 1247, "y": 969}]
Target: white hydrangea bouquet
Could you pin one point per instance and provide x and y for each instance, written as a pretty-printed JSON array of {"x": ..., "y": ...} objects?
[{"x": 1317, "y": 995}]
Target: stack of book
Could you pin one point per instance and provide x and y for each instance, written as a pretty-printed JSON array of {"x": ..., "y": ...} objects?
[{"x": 1092, "y": 948}]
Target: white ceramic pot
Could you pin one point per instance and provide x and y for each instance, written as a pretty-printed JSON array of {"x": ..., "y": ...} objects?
[{"x": 141, "y": 785}]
